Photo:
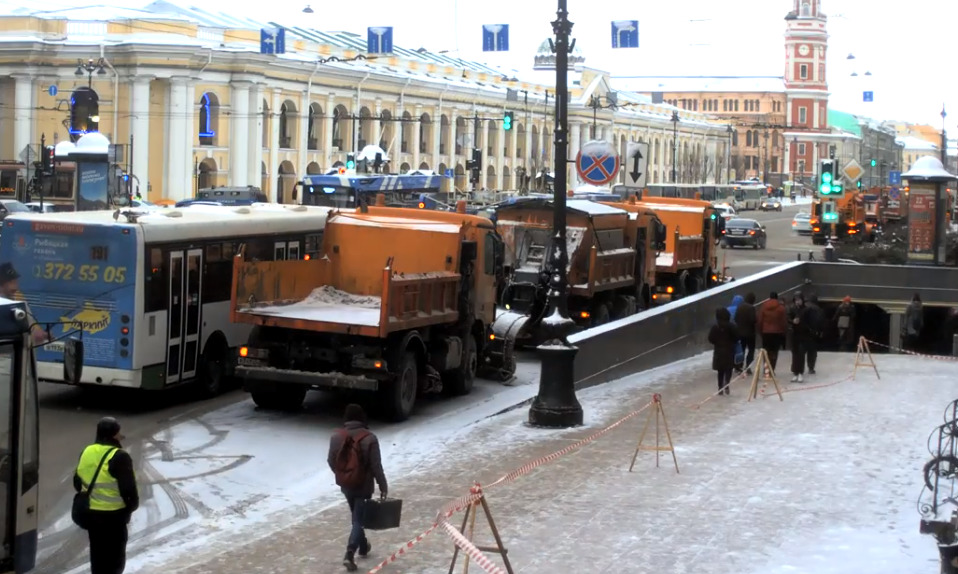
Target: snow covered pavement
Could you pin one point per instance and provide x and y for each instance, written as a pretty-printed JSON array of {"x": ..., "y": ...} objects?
[{"x": 824, "y": 482}]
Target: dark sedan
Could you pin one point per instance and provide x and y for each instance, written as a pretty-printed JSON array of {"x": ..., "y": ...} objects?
[{"x": 745, "y": 233}]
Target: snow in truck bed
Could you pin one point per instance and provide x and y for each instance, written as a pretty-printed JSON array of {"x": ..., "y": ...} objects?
[{"x": 329, "y": 305}]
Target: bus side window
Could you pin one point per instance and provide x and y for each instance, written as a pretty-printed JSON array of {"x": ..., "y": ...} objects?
[{"x": 155, "y": 285}]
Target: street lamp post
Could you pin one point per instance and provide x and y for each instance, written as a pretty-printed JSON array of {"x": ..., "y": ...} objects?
[
  {"x": 90, "y": 67},
  {"x": 556, "y": 405},
  {"x": 728, "y": 155},
  {"x": 675, "y": 143}
]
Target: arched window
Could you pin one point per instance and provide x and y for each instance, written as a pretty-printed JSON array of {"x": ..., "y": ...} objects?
[
  {"x": 207, "y": 120},
  {"x": 806, "y": 9},
  {"x": 84, "y": 112}
]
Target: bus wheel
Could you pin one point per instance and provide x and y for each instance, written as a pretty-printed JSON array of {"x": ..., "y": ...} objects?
[{"x": 212, "y": 376}]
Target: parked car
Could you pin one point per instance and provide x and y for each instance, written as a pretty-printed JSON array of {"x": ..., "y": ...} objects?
[
  {"x": 802, "y": 223},
  {"x": 725, "y": 210},
  {"x": 744, "y": 232},
  {"x": 771, "y": 204},
  {"x": 36, "y": 207}
]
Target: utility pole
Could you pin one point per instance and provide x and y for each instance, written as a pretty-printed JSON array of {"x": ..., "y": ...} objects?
[{"x": 556, "y": 405}]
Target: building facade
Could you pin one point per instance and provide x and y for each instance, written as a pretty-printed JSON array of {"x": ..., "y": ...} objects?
[{"x": 191, "y": 103}]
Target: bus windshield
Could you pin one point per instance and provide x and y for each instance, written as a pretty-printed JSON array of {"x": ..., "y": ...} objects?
[
  {"x": 342, "y": 191},
  {"x": 79, "y": 274}
]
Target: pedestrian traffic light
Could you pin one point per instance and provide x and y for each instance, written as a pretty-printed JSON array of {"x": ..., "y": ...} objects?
[
  {"x": 350, "y": 161},
  {"x": 874, "y": 163},
  {"x": 507, "y": 121},
  {"x": 477, "y": 158}
]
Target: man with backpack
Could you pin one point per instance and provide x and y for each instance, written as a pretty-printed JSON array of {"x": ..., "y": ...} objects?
[{"x": 356, "y": 462}]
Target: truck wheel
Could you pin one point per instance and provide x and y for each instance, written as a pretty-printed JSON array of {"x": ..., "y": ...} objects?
[
  {"x": 400, "y": 396},
  {"x": 601, "y": 315},
  {"x": 459, "y": 381},
  {"x": 284, "y": 399},
  {"x": 624, "y": 306}
]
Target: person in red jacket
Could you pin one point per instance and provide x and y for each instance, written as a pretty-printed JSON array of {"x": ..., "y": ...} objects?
[{"x": 772, "y": 324}]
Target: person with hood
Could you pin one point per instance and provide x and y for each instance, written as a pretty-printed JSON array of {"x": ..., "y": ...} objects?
[
  {"x": 745, "y": 320},
  {"x": 113, "y": 496},
  {"x": 724, "y": 337},
  {"x": 797, "y": 330},
  {"x": 813, "y": 319},
  {"x": 772, "y": 324},
  {"x": 355, "y": 438},
  {"x": 914, "y": 322},
  {"x": 739, "y": 355},
  {"x": 844, "y": 319}
]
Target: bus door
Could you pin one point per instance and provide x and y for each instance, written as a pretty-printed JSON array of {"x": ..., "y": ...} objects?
[{"x": 183, "y": 329}]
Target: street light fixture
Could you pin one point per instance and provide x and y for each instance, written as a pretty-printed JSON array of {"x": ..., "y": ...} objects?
[
  {"x": 89, "y": 67},
  {"x": 675, "y": 137},
  {"x": 596, "y": 102}
]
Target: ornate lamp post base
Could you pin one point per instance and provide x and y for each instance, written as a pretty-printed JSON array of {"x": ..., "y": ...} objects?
[{"x": 556, "y": 405}]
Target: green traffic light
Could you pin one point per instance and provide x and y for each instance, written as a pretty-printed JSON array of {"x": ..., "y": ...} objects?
[
  {"x": 350, "y": 165},
  {"x": 507, "y": 121},
  {"x": 827, "y": 177},
  {"x": 874, "y": 163},
  {"x": 826, "y": 188}
]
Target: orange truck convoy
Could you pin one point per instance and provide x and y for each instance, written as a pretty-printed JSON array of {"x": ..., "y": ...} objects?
[{"x": 404, "y": 302}]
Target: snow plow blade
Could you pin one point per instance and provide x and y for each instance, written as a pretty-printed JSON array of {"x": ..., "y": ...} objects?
[{"x": 512, "y": 326}]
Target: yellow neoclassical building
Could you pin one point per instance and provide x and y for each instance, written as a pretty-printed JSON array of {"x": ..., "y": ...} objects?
[{"x": 190, "y": 102}]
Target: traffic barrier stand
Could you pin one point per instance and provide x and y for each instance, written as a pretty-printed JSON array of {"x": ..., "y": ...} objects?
[
  {"x": 863, "y": 352},
  {"x": 470, "y": 518},
  {"x": 762, "y": 365},
  {"x": 658, "y": 414}
]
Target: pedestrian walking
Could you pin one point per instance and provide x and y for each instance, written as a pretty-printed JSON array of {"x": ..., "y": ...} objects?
[
  {"x": 813, "y": 318},
  {"x": 914, "y": 322},
  {"x": 745, "y": 321},
  {"x": 772, "y": 324},
  {"x": 844, "y": 320},
  {"x": 797, "y": 330},
  {"x": 113, "y": 496},
  {"x": 739, "y": 356},
  {"x": 355, "y": 459},
  {"x": 724, "y": 337}
]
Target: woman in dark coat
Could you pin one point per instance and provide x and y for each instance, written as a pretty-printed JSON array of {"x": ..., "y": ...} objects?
[{"x": 723, "y": 336}]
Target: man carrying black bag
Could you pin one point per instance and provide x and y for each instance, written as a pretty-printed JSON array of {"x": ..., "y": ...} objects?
[
  {"x": 355, "y": 459},
  {"x": 107, "y": 496}
]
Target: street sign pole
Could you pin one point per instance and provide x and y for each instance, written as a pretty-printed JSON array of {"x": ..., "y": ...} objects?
[{"x": 555, "y": 405}]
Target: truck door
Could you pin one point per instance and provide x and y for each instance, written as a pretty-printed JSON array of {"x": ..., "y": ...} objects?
[{"x": 185, "y": 314}]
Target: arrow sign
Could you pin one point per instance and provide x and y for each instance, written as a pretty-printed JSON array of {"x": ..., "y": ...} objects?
[{"x": 637, "y": 162}]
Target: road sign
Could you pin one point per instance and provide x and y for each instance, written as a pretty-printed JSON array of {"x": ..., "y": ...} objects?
[
  {"x": 379, "y": 39},
  {"x": 853, "y": 171},
  {"x": 272, "y": 41},
  {"x": 449, "y": 174},
  {"x": 597, "y": 162},
  {"x": 894, "y": 178},
  {"x": 636, "y": 164},
  {"x": 894, "y": 193},
  {"x": 52, "y": 90},
  {"x": 625, "y": 33},
  {"x": 868, "y": 96},
  {"x": 495, "y": 38}
]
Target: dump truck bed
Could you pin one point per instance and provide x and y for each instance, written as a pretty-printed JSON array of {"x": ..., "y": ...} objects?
[{"x": 377, "y": 275}]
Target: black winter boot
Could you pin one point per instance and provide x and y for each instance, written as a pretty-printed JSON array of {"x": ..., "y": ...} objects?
[{"x": 348, "y": 562}]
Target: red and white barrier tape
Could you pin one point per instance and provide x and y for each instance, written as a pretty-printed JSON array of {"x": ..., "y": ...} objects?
[
  {"x": 402, "y": 550},
  {"x": 913, "y": 353},
  {"x": 470, "y": 549}
]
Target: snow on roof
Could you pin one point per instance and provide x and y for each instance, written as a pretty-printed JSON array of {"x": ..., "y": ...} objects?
[
  {"x": 593, "y": 208},
  {"x": 198, "y": 221},
  {"x": 676, "y": 208},
  {"x": 367, "y": 220},
  {"x": 913, "y": 143},
  {"x": 649, "y": 84}
]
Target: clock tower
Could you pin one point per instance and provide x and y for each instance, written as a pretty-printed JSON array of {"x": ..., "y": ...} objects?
[{"x": 806, "y": 89}]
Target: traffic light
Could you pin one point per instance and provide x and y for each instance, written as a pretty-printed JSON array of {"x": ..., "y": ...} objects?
[
  {"x": 48, "y": 160},
  {"x": 859, "y": 184},
  {"x": 350, "y": 161},
  {"x": 826, "y": 177},
  {"x": 507, "y": 121},
  {"x": 874, "y": 163}
]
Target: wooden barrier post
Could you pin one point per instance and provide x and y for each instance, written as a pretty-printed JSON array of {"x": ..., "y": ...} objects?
[
  {"x": 864, "y": 352},
  {"x": 761, "y": 364},
  {"x": 470, "y": 518},
  {"x": 658, "y": 414}
]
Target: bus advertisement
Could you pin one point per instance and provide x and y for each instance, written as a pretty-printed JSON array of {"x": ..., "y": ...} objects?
[{"x": 82, "y": 276}]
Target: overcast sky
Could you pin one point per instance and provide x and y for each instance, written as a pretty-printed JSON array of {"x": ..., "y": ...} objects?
[{"x": 908, "y": 47}]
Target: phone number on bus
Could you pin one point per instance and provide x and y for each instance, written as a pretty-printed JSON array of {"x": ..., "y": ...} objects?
[{"x": 86, "y": 273}]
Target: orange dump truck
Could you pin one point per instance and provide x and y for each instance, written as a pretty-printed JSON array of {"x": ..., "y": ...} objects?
[
  {"x": 688, "y": 263},
  {"x": 401, "y": 303},
  {"x": 848, "y": 222},
  {"x": 605, "y": 269}
]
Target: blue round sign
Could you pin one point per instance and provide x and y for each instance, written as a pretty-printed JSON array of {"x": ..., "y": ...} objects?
[{"x": 52, "y": 90}]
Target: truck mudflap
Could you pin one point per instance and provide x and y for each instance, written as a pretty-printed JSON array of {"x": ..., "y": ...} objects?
[
  {"x": 253, "y": 376},
  {"x": 499, "y": 360}
]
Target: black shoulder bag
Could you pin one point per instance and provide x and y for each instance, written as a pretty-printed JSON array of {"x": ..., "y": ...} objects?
[{"x": 81, "y": 500}]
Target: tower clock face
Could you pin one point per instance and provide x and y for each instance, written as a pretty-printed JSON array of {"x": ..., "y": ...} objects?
[{"x": 803, "y": 49}]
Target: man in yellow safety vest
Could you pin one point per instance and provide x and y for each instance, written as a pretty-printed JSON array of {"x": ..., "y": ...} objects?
[{"x": 113, "y": 497}]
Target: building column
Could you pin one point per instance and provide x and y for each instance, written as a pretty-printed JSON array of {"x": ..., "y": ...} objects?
[
  {"x": 140, "y": 129},
  {"x": 239, "y": 175},
  {"x": 527, "y": 150},
  {"x": 484, "y": 147},
  {"x": 514, "y": 158},
  {"x": 178, "y": 180},
  {"x": 303, "y": 145},
  {"x": 328, "y": 132},
  {"x": 436, "y": 138},
  {"x": 277, "y": 103},
  {"x": 500, "y": 154},
  {"x": 416, "y": 126},
  {"x": 254, "y": 168},
  {"x": 191, "y": 135},
  {"x": 376, "y": 125},
  {"x": 453, "y": 129},
  {"x": 895, "y": 325},
  {"x": 23, "y": 115}
]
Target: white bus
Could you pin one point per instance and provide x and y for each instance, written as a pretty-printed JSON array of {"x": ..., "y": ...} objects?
[{"x": 151, "y": 293}]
